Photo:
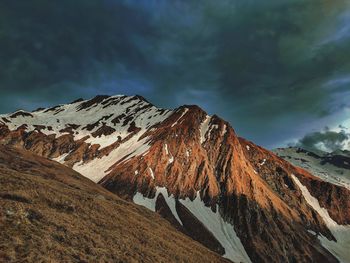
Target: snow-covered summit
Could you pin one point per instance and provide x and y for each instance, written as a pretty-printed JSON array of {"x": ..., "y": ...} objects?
[{"x": 102, "y": 119}]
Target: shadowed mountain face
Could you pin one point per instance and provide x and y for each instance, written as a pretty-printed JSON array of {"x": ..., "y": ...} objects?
[
  {"x": 234, "y": 197},
  {"x": 51, "y": 213}
]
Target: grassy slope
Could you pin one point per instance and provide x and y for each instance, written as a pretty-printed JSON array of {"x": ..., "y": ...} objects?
[{"x": 50, "y": 213}]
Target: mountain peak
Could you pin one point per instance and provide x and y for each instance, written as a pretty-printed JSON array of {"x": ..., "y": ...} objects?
[{"x": 221, "y": 190}]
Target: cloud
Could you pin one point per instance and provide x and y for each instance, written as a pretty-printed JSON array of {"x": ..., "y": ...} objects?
[
  {"x": 263, "y": 65},
  {"x": 326, "y": 140}
]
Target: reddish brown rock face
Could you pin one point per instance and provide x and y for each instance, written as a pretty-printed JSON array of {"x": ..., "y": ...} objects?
[
  {"x": 334, "y": 198},
  {"x": 188, "y": 152},
  {"x": 267, "y": 218}
]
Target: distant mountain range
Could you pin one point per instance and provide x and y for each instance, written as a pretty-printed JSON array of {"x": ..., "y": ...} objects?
[
  {"x": 237, "y": 199},
  {"x": 332, "y": 167}
]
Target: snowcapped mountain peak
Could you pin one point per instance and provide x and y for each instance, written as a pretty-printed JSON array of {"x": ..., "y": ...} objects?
[
  {"x": 220, "y": 189},
  {"x": 102, "y": 119}
]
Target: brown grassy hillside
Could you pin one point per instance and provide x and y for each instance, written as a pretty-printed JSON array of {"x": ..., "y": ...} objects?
[{"x": 50, "y": 213}]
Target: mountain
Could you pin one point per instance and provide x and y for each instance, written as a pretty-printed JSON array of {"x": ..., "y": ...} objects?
[
  {"x": 50, "y": 213},
  {"x": 236, "y": 198},
  {"x": 343, "y": 153},
  {"x": 331, "y": 167}
]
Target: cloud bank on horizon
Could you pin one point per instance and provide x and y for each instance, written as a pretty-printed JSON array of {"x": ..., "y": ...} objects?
[
  {"x": 327, "y": 140},
  {"x": 275, "y": 69}
]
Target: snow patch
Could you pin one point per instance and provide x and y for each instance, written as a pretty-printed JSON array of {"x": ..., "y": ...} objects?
[
  {"x": 224, "y": 130},
  {"x": 263, "y": 162},
  {"x": 60, "y": 158},
  {"x": 182, "y": 114},
  {"x": 171, "y": 159},
  {"x": 212, "y": 127},
  {"x": 222, "y": 231},
  {"x": 150, "y": 203},
  {"x": 96, "y": 169},
  {"x": 204, "y": 128},
  {"x": 166, "y": 149},
  {"x": 103, "y": 140},
  {"x": 312, "y": 232},
  {"x": 151, "y": 172}
]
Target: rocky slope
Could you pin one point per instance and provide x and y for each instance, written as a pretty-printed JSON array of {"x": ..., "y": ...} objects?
[
  {"x": 50, "y": 213},
  {"x": 234, "y": 197}
]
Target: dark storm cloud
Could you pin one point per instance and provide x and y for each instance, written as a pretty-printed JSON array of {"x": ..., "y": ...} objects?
[
  {"x": 326, "y": 140},
  {"x": 266, "y": 66},
  {"x": 50, "y": 49}
]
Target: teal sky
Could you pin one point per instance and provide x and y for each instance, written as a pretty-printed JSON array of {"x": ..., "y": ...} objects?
[{"x": 276, "y": 69}]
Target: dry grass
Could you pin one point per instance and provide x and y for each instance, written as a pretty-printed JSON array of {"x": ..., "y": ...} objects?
[{"x": 49, "y": 213}]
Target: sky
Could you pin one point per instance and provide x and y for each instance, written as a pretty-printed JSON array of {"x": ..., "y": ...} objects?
[{"x": 277, "y": 70}]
